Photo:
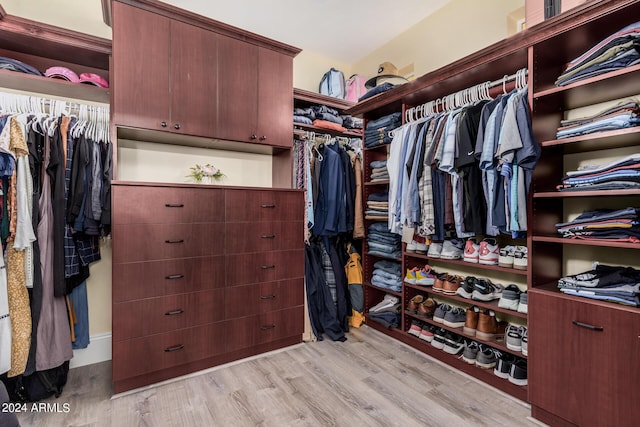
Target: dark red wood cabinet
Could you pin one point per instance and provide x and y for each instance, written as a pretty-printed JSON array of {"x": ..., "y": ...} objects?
[{"x": 193, "y": 287}]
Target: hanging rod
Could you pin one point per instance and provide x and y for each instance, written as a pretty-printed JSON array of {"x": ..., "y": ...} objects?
[{"x": 36, "y": 103}]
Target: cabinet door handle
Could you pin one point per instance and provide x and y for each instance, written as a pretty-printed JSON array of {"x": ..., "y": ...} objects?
[
  {"x": 174, "y": 241},
  {"x": 254, "y": 136},
  {"x": 163, "y": 124},
  {"x": 174, "y": 312},
  {"x": 174, "y": 205},
  {"x": 263, "y": 138},
  {"x": 267, "y": 206},
  {"x": 588, "y": 326},
  {"x": 267, "y": 267},
  {"x": 174, "y": 348},
  {"x": 267, "y": 327},
  {"x": 267, "y": 297},
  {"x": 268, "y": 236},
  {"x": 177, "y": 126},
  {"x": 174, "y": 276}
]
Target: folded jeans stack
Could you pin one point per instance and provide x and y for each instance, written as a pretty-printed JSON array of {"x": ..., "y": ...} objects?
[
  {"x": 620, "y": 225},
  {"x": 606, "y": 283},
  {"x": 387, "y": 275},
  {"x": 623, "y": 115},
  {"x": 617, "y": 175},
  {"x": 382, "y": 242},
  {"x": 379, "y": 171},
  {"x": 377, "y": 131}
]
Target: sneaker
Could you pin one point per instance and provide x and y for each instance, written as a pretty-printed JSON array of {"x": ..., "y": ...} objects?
[
  {"x": 455, "y": 318},
  {"x": 435, "y": 249},
  {"x": 466, "y": 287},
  {"x": 471, "y": 321},
  {"x": 416, "y": 328},
  {"x": 489, "y": 252},
  {"x": 438, "y": 338},
  {"x": 503, "y": 364},
  {"x": 525, "y": 340},
  {"x": 441, "y": 311},
  {"x": 513, "y": 337},
  {"x": 410, "y": 277},
  {"x": 427, "y": 308},
  {"x": 426, "y": 334},
  {"x": 412, "y": 306},
  {"x": 518, "y": 372},
  {"x": 489, "y": 329},
  {"x": 522, "y": 305},
  {"x": 438, "y": 283},
  {"x": 421, "y": 245},
  {"x": 411, "y": 247},
  {"x": 426, "y": 276},
  {"x": 506, "y": 256},
  {"x": 486, "y": 358},
  {"x": 452, "y": 249},
  {"x": 471, "y": 251},
  {"x": 485, "y": 290},
  {"x": 453, "y": 344},
  {"x": 387, "y": 302},
  {"x": 510, "y": 298},
  {"x": 520, "y": 258},
  {"x": 451, "y": 285},
  {"x": 470, "y": 352}
]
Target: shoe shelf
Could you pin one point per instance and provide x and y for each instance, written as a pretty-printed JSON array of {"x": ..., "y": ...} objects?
[
  {"x": 455, "y": 361},
  {"x": 587, "y": 193},
  {"x": 467, "y": 264},
  {"x": 389, "y": 291},
  {"x": 597, "y": 141},
  {"x": 498, "y": 344},
  {"x": 606, "y": 244},
  {"x": 492, "y": 305}
]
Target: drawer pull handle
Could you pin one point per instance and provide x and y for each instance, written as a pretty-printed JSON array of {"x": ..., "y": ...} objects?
[
  {"x": 268, "y": 206},
  {"x": 174, "y": 241},
  {"x": 267, "y": 267},
  {"x": 174, "y": 312},
  {"x": 267, "y": 297},
  {"x": 587, "y": 326},
  {"x": 174, "y": 348},
  {"x": 174, "y": 205},
  {"x": 267, "y": 327},
  {"x": 268, "y": 236},
  {"x": 174, "y": 276}
]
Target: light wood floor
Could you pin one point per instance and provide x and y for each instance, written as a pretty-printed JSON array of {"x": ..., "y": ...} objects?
[{"x": 369, "y": 380}]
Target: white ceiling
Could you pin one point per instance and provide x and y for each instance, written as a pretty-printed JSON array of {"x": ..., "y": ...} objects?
[{"x": 345, "y": 30}]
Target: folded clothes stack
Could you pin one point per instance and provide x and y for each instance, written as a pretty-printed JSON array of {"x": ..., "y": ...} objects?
[
  {"x": 377, "y": 131},
  {"x": 620, "y": 225},
  {"x": 377, "y": 206},
  {"x": 607, "y": 283},
  {"x": 623, "y": 115},
  {"x": 319, "y": 115},
  {"x": 387, "y": 275},
  {"x": 382, "y": 242},
  {"x": 351, "y": 122},
  {"x": 617, "y": 175},
  {"x": 619, "y": 50},
  {"x": 379, "y": 171}
]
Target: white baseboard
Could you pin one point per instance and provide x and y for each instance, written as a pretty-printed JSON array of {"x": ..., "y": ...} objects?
[{"x": 99, "y": 350}]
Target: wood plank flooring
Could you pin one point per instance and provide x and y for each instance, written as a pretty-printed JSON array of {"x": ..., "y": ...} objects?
[{"x": 369, "y": 380}]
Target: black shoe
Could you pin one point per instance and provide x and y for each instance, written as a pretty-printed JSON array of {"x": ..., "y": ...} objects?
[
  {"x": 503, "y": 365},
  {"x": 466, "y": 287}
]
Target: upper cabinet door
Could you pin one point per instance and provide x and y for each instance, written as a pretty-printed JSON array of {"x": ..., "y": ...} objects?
[
  {"x": 237, "y": 90},
  {"x": 275, "y": 92},
  {"x": 194, "y": 53},
  {"x": 140, "y": 63}
]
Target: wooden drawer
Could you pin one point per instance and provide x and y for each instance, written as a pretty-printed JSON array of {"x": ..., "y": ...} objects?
[
  {"x": 140, "y": 356},
  {"x": 163, "y": 314},
  {"x": 262, "y": 328},
  {"x": 264, "y": 205},
  {"x": 261, "y": 298},
  {"x": 148, "y": 242},
  {"x": 243, "y": 237},
  {"x": 264, "y": 267},
  {"x": 146, "y": 204},
  {"x": 138, "y": 280},
  {"x": 580, "y": 345}
]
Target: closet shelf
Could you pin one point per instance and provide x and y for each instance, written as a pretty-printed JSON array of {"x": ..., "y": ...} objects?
[
  {"x": 605, "y": 244},
  {"x": 469, "y": 264},
  {"x": 484, "y": 375},
  {"x": 498, "y": 345},
  {"x": 53, "y": 87},
  {"x": 389, "y": 291},
  {"x": 377, "y": 147},
  {"x": 320, "y": 130},
  {"x": 597, "y": 141},
  {"x": 373, "y": 184},
  {"x": 313, "y": 98},
  {"x": 595, "y": 193},
  {"x": 552, "y": 289},
  {"x": 591, "y": 91},
  {"x": 493, "y": 305}
]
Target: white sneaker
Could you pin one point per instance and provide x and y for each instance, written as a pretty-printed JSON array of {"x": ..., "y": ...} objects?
[
  {"x": 471, "y": 251},
  {"x": 506, "y": 256},
  {"x": 435, "y": 249},
  {"x": 452, "y": 249},
  {"x": 411, "y": 247},
  {"x": 489, "y": 252},
  {"x": 387, "y": 302},
  {"x": 520, "y": 258}
]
